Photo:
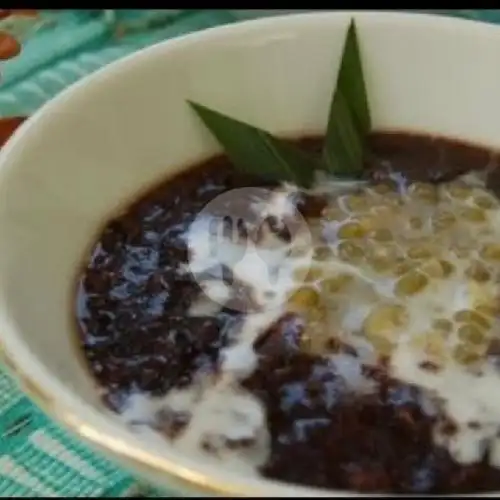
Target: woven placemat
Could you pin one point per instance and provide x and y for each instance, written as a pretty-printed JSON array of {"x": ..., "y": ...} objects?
[{"x": 37, "y": 458}]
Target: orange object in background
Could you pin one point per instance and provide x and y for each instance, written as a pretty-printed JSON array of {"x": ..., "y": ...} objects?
[
  {"x": 18, "y": 12},
  {"x": 7, "y": 127},
  {"x": 24, "y": 12},
  {"x": 9, "y": 46}
]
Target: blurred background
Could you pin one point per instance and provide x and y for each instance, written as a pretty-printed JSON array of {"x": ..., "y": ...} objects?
[{"x": 58, "y": 47}]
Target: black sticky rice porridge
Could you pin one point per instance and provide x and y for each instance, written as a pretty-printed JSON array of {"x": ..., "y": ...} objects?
[{"x": 377, "y": 372}]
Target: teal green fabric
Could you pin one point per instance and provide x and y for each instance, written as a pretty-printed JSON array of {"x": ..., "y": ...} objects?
[
  {"x": 72, "y": 44},
  {"x": 37, "y": 458}
]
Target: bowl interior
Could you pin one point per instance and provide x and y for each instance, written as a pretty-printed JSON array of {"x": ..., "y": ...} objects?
[{"x": 110, "y": 136}]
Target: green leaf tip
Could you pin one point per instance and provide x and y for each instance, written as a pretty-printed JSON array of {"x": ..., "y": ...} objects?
[
  {"x": 349, "y": 119},
  {"x": 256, "y": 151}
]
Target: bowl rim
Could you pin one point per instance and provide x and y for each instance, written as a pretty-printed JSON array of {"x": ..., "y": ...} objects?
[{"x": 66, "y": 407}]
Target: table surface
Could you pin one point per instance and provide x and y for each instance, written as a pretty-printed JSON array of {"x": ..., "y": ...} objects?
[{"x": 37, "y": 458}]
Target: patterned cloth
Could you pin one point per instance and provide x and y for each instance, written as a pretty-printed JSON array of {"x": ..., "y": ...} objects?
[
  {"x": 39, "y": 459},
  {"x": 36, "y": 457},
  {"x": 60, "y": 48}
]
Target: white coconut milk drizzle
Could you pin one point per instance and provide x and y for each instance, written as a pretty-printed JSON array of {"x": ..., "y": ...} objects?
[{"x": 221, "y": 411}]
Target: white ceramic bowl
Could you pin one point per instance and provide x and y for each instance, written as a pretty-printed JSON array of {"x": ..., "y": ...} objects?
[{"x": 111, "y": 135}]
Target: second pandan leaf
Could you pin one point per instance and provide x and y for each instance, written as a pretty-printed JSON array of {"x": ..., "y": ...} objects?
[
  {"x": 256, "y": 151},
  {"x": 349, "y": 120}
]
